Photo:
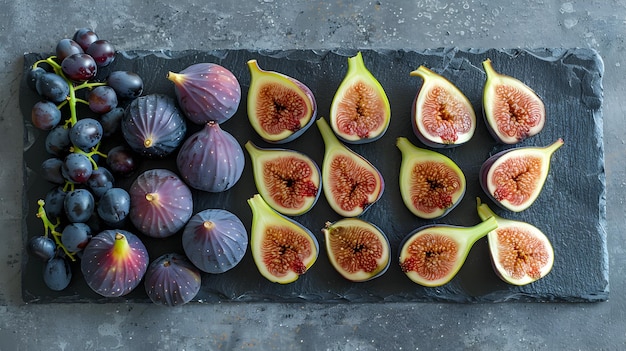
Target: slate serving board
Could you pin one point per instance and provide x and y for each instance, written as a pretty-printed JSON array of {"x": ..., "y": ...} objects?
[{"x": 570, "y": 210}]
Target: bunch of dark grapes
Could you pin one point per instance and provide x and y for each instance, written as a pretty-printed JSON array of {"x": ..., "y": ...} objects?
[{"x": 84, "y": 196}]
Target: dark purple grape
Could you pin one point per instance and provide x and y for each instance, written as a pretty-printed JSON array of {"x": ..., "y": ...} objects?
[
  {"x": 51, "y": 170},
  {"x": 79, "y": 205},
  {"x": 67, "y": 47},
  {"x": 127, "y": 85},
  {"x": 54, "y": 202},
  {"x": 45, "y": 115},
  {"x": 77, "y": 168},
  {"x": 102, "y": 52},
  {"x": 32, "y": 76},
  {"x": 100, "y": 181},
  {"x": 41, "y": 247},
  {"x": 121, "y": 161},
  {"x": 114, "y": 207},
  {"x": 75, "y": 236},
  {"x": 84, "y": 37},
  {"x": 52, "y": 87},
  {"x": 102, "y": 99},
  {"x": 172, "y": 280},
  {"x": 79, "y": 67},
  {"x": 86, "y": 133},
  {"x": 58, "y": 141},
  {"x": 57, "y": 273},
  {"x": 111, "y": 121}
]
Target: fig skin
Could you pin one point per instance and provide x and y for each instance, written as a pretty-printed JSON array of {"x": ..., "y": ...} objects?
[
  {"x": 171, "y": 280},
  {"x": 360, "y": 111},
  {"x": 442, "y": 116},
  {"x": 366, "y": 190},
  {"x": 153, "y": 126},
  {"x": 211, "y": 159},
  {"x": 206, "y": 92},
  {"x": 497, "y": 182},
  {"x": 215, "y": 240},
  {"x": 298, "y": 108},
  {"x": 510, "y": 122},
  {"x": 438, "y": 196},
  {"x": 440, "y": 246},
  {"x": 523, "y": 243},
  {"x": 161, "y": 203},
  {"x": 114, "y": 262},
  {"x": 357, "y": 249},
  {"x": 288, "y": 180},
  {"x": 282, "y": 248}
]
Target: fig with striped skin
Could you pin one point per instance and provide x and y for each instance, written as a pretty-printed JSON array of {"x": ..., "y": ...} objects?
[
  {"x": 512, "y": 110},
  {"x": 360, "y": 111},
  {"x": 206, "y": 92},
  {"x": 215, "y": 240},
  {"x": 442, "y": 116},
  {"x": 114, "y": 262},
  {"x": 351, "y": 183},
  {"x": 280, "y": 108},
  {"x": 433, "y": 254},
  {"x": 514, "y": 178},
  {"x": 172, "y": 280},
  {"x": 211, "y": 159},
  {"x": 431, "y": 184},
  {"x": 153, "y": 126},
  {"x": 357, "y": 249},
  {"x": 289, "y": 181},
  {"x": 520, "y": 252},
  {"x": 161, "y": 203},
  {"x": 282, "y": 248}
]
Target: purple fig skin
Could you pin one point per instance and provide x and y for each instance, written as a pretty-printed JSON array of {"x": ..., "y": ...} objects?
[
  {"x": 172, "y": 280},
  {"x": 114, "y": 262},
  {"x": 211, "y": 160},
  {"x": 206, "y": 92},
  {"x": 153, "y": 126},
  {"x": 161, "y": 203},
  {"x": 215, "y": 240}
]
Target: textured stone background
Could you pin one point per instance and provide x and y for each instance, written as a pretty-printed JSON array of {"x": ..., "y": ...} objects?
[{"x": 35, "y": 26}]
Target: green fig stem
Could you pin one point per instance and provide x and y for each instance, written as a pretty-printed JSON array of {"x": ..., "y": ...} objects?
[
  {"x": 327, "y": 134},
  {"x": 252, "y": 149},
  {"x": 175, "y": 78},
  {"x": 253, "y": 65},
  {"x": 407, "y": 147},
  {"x": 120, "y": 246},
  {"x": 355, "y": 64},
  {"x": 259, "y": 207},
  {"x": 550, "y": 149},
  {"x": 489, "y": 68},
  {"x": 423, "y": 73},
  {"x": 484, "y": 212},
  {"x": 473, "y": 234}
]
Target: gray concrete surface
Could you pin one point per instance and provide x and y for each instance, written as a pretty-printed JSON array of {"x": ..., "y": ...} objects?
[{"x": 35, "y": 26}]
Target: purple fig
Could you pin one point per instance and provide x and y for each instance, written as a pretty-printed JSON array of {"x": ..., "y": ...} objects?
[{"x": 172, "y": 280}]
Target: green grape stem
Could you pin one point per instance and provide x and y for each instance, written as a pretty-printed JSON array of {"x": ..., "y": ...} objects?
[
  {"x": 50, "y": 228},
  {"x": 94, "y": 151}
]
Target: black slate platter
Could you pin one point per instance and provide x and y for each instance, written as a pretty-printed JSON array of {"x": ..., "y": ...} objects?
[{"x": 570, "y": 209}]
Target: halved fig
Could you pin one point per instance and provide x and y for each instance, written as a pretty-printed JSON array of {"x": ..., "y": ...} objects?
[
  {"x": 161, "y": 203},
  {"x": 206, "y": 92},
  {"x": 153, "y": 126},
  {"x": 211, "y": 159},
  {"x": 351, "y": 183},
  {"x": 520, "y": 252},
  {"x": 280, "y": 108},
  {"x": 114, "y": 262},
  {"x": 432, "y": 255},
  {"x": 215, "y": 240},
  {"x": 512, "y": 110},
  {"x": 282, "y": 248},
  {"x": 289, "y": 181},
  {"x": 360, "y": 110},
  {"x": 442, "y": 115},
  {"x": 172, "y": 280},
  {"x": 513, "y": 178},
  {"x": 431, "y": 184},
  {"x": 357, "y": 249}
]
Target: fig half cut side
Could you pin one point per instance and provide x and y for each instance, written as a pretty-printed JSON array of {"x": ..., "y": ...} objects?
[
  {"x": 442, "y": 115},
  {"x": 431, "y": 184},
  {"x": 432, "y": 255},
  {"x": 282, "y": 248},
  {"x": 357, "y": 249},
  {"x": 514, "y": 178},
  {"x": 512, "y": 110},
  {"x": 280, "y": 108},
  {"x": 360, "y": 111},
  {"x": 351, "y": 183},
  {"x": 520, "y": 252},
  {"x": 288, "y": 180}
]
